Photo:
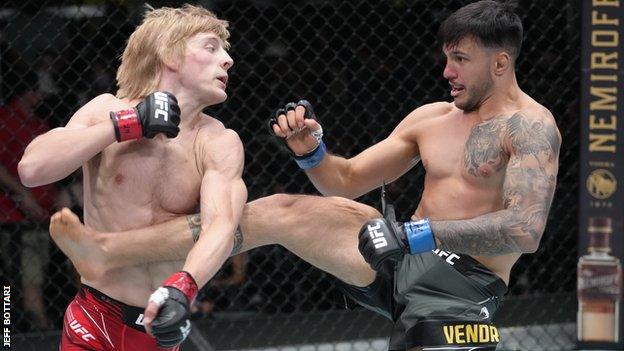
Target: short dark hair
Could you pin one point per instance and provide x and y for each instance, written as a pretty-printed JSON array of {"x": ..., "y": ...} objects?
[{"x": 493, "y": 24}]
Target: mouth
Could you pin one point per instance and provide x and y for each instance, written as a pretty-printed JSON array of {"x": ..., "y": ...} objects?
[
  {"x": 456, "y": 90},
  {"x": 223, "y": 79}
]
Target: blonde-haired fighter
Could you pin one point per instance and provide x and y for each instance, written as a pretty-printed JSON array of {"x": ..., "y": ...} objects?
[{"x": 149, "y": 154}]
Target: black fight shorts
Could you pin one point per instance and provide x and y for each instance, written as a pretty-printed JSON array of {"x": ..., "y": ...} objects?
[{"x": 438, "y": 301}]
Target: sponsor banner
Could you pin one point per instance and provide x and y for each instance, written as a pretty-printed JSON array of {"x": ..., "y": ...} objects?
[{"x": 601, "y": 212}]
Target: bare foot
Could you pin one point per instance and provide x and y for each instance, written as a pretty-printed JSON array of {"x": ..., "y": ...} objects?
[{"x": 78, "y": 243}]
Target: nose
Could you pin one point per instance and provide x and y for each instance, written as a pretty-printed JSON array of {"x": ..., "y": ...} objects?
[
  {"x": 449, "y": 72},
  {"x": 227, "y": 62}
]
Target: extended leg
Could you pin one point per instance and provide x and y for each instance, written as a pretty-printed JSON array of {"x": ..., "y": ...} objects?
[
  {"x": 93, "y": 253},
  {"x": 320, "y": 230}
]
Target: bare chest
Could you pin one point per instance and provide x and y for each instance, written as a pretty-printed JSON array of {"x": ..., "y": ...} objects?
[
  {"x": 158, "y": 177},
  {"x": 473, "y": 154}
]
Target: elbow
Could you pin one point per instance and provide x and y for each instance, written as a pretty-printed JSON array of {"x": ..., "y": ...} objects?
[
  {"x": 525, "y": 230},
  {"x": 531, "y": 242},
  {"x": 27, "y": 171},
  {"x": 531, "y": 247},
  {"x": 35, "y": 172}
]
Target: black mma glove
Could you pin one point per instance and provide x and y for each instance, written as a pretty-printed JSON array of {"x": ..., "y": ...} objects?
[
  {"x": 382, "y": 240},
  {"x": 157, "y": 113},
  {"x": 306, "y": 146},
  {"x": 172, "y": 324}
]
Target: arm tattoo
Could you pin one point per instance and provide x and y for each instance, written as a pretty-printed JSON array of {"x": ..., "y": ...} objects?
[
  {"x": 194, "y": 222},
  {"x": 528, "y": 190},
  {"x": 238, "y": 242}
]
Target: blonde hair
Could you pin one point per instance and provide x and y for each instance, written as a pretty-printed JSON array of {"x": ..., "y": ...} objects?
[{"x": 162, "y": 36}]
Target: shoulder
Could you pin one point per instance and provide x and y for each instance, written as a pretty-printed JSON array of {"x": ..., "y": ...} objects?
[
  {"x": 535, "y": 117},
  {"x": 105, "y": 98},
  {"x": 422, "y": 118},
  {"x": 218, "y": 144},
  {"x": 212, "y": 131},
  {"x": 229, "y": 140},
  {"x": 106, "y": 101},
  {"x": 532, "y": 111},
  {"x": 97, "y": 109},
  {"x": 430, "y": 111},
  {"x": 533, "y": 126}
]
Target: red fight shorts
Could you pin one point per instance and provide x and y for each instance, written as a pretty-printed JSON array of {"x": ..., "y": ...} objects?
[{"x": 96, "y": 322}]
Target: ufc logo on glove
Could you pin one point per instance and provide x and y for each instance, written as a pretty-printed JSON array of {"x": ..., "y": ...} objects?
[
  {"x": 377, "y": 236},
  {"x": 162, "y": 103},
  {"x": 185, "y": 329}
]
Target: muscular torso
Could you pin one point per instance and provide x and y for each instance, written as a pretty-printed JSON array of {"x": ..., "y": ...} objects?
[
  {"x": 136, "y": 184},
  {"x": 465, "y": 161}
]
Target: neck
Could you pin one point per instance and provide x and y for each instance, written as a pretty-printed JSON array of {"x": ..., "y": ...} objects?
[
  {"x": 503, "y": 97},
  {"x": 190, "y": 106}
]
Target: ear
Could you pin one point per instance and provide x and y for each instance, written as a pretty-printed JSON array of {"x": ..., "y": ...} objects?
[
  {"x": 170, "y": 63},
  {"x": 502, "y": 63}
]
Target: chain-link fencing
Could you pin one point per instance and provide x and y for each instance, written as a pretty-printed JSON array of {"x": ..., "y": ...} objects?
[{"x": 364, "y": 65}]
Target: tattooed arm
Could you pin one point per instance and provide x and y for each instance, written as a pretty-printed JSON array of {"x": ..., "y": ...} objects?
[{"x": 528, "y": 191}]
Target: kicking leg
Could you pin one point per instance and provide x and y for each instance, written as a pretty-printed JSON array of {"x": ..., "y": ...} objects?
[
  {"x": 93, "y": 253},
  {"x": 321, "y": 230}
]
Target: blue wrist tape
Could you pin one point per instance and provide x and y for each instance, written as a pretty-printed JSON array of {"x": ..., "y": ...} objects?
[
  {"x": 312, "y": 159},
  {"x": 419, "y": 236}
]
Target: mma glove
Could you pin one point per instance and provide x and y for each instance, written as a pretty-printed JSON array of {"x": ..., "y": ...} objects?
[
  {"x": 172, "y": 324},
  {"x": 306, "y": 157},
  {"x": 383, "y": 240},
  {"x": 157, "y": 113}
]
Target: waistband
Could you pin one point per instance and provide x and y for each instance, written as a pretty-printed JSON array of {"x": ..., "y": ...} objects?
[
  {"x": 468, "y": 266},
  {"x": 131, "y": 316}
]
